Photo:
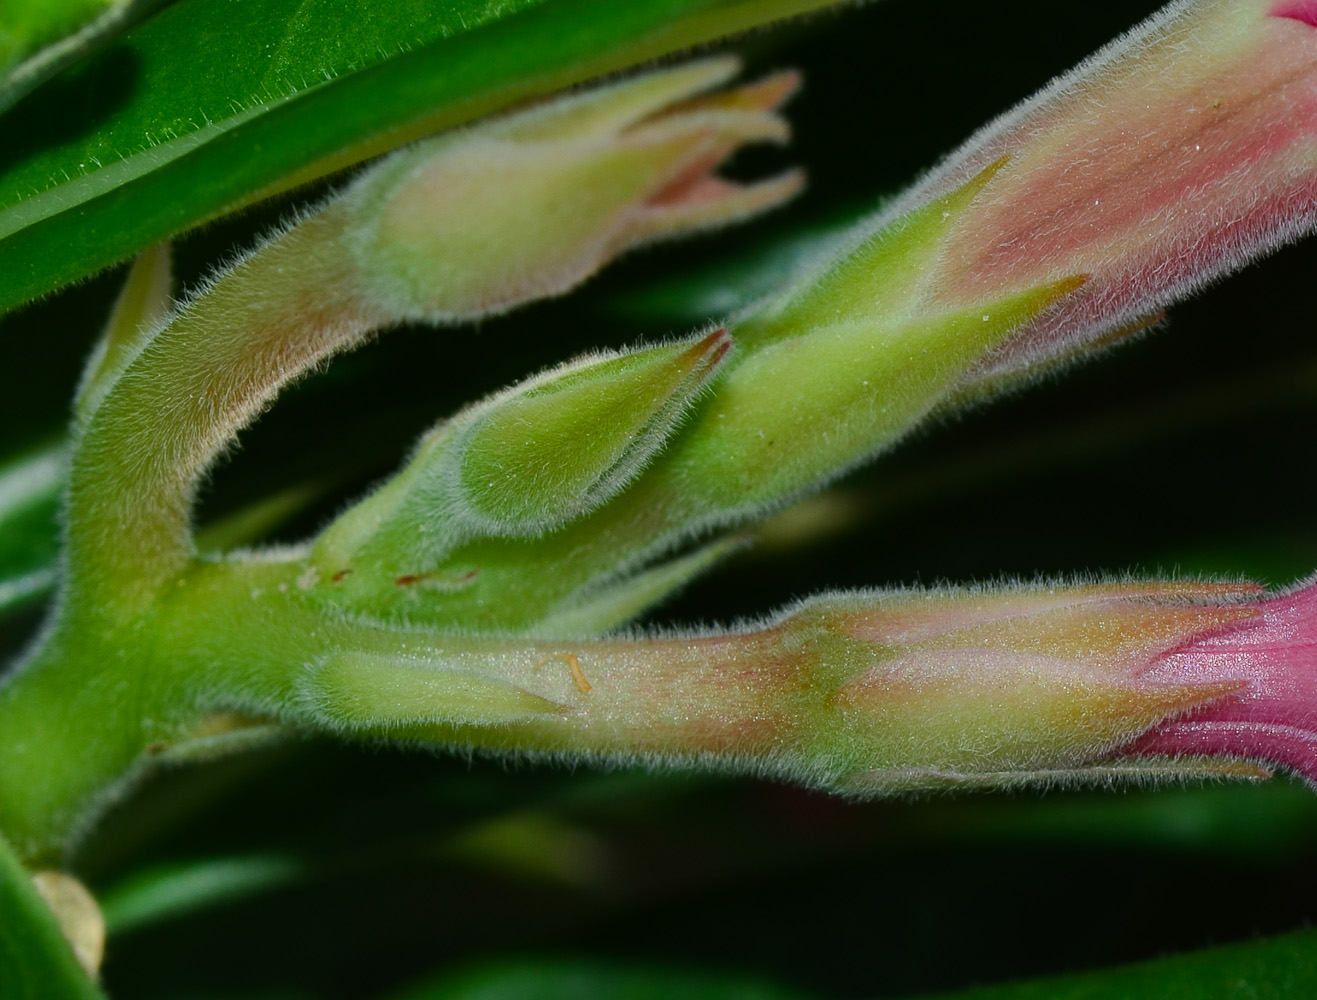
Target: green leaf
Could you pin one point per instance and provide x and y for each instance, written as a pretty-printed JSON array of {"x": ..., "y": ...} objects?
[
  {"x": 558, "y": 980},
  {"x": 182, "y": 81},
  {"x": 169, "y": 891},
  {"x": 178, "y": 125},
  {"x": 27, "y": 25},
  {"x": 30, "y": 488},
  {"x": 38, "y": 38},
  {"x": 36, "y": 962},
  {"x": 1282, "y": 968}
]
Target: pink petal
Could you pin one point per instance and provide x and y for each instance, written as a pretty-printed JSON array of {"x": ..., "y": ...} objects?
[
  {"x": 1274, "y": 718},
  {"x": 1297, "y": 10}
]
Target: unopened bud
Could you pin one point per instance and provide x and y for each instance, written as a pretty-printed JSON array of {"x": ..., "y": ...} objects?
[
  {"x": 557, "y": 446},
  {"x": 1180, "y": 152},
  {"x": 528, "y": 459},
  {"x": 480, "y": 220},
  {"x": 865, "y": 693},
  {"x": 1015, "y": 683},
  {"x": 801, "y": 409}
]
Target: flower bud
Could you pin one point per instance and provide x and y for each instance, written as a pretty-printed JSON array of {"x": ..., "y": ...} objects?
[
  {"x": 1272, "y": 718},
  {"x": 866, "y": 693},
  {"x": 458, "y": 226},
  {"x": 479, "y": 220},
  {"x": 556, "y": 446},
  {"x": 1180, "y": 152},
  {"x": 800, "y": 410},
  {"x": 996, "y": 688},
  {"x": 527, "y": 459}
]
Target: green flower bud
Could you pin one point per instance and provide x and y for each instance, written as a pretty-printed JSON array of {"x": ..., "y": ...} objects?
[
  {"x": 477, "y": 221},
  {"x": 555, "y": 447},
  {"x": 526, "y": 460},
  {"x": 806, "y": 408}
]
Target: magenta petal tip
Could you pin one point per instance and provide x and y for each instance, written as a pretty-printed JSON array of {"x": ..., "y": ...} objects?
[
  {"x": 1274, "y": 717},
  {"x": 1297, "y": 10}
]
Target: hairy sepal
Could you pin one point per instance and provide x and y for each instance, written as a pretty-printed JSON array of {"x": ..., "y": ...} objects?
[
  {"x": 522, "y": 463},
  {"x": 862, "y": 693}
]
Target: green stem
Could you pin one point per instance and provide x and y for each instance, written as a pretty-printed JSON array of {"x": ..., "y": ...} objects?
[
  {"x": 182, "y": 397},
  {"x": 104, "y": 694},
  {"x": 101, "y": 698}
]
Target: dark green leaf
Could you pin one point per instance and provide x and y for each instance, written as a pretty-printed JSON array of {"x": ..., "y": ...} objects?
[
  {"x": 215, "y": 101},
  {"x": 169, "y": 891},
  {"x": 556, "y": 980},
  {"x": 38, "y": 38},
  {"x": 1283, "y": 968},
  {"x": 29, "y": 528}
]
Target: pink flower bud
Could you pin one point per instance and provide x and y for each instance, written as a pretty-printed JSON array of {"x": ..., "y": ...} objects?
[
  {"x": 1273, "y": 717},
  {"x": 1178, "y": 153}
]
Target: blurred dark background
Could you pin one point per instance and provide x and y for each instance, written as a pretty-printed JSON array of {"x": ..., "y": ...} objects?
[{"x": 314, "y": 871}]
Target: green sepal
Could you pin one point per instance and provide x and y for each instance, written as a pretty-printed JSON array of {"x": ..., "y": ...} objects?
[
  {"x": 600, "y": 112},
  {"x": 608, "y": 605},
  {"x": 878, "y": 282},
  {"x": 560, "y": 446},
  {"x": 519, "y": 464},
  {"x": 804, "y": 409},
  {"x": 1114, "y": 773},
  {"x": 379, "y": 693}
]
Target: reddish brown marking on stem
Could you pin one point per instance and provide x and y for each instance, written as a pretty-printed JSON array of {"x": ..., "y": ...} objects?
[
  {"x": 407, "y": 579},
  {"x": 574, "y": 666},
  {"x": 337, "y": 577},
  {"x": 578, "y": 675}
]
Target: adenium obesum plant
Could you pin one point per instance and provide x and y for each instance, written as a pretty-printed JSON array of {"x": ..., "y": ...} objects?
[{"x": 475, "y": 598}]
